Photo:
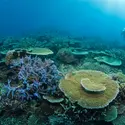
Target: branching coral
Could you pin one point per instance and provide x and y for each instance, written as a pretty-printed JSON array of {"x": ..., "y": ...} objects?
[
  {"x": 9, "y": 89},
  {"x": 36, "y": 77}
]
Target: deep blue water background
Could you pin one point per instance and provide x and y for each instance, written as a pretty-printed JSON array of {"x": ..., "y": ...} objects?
[{"x": 78, "y": 17}]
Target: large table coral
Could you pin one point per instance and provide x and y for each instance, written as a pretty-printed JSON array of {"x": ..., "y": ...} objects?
[{"x": 75, "y": 87}]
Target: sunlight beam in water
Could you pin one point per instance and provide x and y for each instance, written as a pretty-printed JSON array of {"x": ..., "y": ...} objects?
[
  {"x": 116, "y": 7},
  {"x": 115, "y": 4}
]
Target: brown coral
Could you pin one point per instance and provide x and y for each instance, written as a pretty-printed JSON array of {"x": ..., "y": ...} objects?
[
  {"x": 14, "y": 54},
  {"x": 65, "y": 55},
  {"x": 9, "y": 56},
  {"x": 72, "y": 89}
]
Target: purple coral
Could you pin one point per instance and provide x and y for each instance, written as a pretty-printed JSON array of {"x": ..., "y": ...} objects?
[
  {"x": 37, "y": 77},
  {"x": 9, "y": 89}
]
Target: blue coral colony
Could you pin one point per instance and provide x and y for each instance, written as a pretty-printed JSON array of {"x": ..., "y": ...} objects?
[{"x": 36, "y": 78}]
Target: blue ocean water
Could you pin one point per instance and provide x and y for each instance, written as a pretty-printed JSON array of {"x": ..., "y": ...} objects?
[{"x": 79, "y": 17}]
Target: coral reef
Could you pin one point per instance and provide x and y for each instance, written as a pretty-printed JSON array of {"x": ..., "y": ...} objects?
[{"x": 29, "y": 86}]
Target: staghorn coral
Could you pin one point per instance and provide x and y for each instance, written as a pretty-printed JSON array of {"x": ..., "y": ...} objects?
[
  {"x": 36, "y": 78},
  {"x": 72, "y": 89}
]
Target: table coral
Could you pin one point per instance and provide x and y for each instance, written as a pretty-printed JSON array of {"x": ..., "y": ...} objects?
[{"x": 72, "y": 89}]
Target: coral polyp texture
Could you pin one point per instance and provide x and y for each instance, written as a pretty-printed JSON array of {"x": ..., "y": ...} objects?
[
  {"x": 90, "y": 89},
  {"x": 36, "y": 78}
]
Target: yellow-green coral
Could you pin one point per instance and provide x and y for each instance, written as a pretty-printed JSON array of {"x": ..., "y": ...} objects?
[
  {"x": 91, "y": 86},
  {"x": 52, "y": 99},
  {"x": 40, "y": 51},
  {"x": 72, "y": 89}
]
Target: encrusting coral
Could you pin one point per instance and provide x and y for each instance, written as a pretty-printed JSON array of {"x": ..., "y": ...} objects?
[{"x": 104, "y": 94}]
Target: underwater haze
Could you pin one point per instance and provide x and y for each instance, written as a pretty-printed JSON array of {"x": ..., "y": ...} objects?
[
  {"x": 62, "y": 62},
  {"x": 78, "y": 17}
]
